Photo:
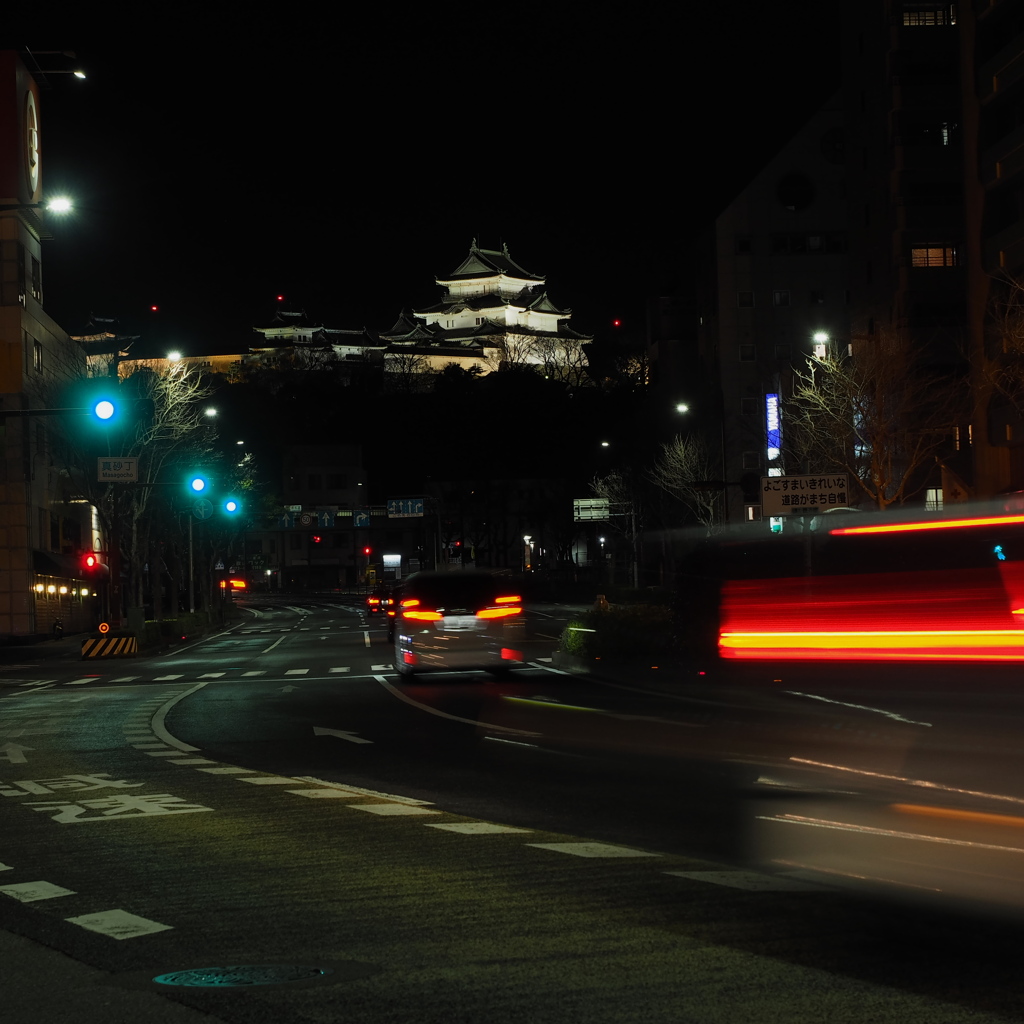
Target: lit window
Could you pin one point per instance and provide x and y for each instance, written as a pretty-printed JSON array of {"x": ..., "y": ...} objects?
[
  {"x": 934, "y": 256},
  {"x": 933, "y": 499},
  {"x": 37, "y": 355},
  {"x": 923, "y": 15},
  {"x": 780, "y": 297}
]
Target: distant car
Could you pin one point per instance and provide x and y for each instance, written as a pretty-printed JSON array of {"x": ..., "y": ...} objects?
[
  {"x": 467, "y": 619},
  {"x": 379, "y": 600}
]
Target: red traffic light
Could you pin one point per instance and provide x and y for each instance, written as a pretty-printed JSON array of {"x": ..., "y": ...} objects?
[
  {"x": 367, "y": 551},
  {"x": 90, "y": 561},
  {"x": 316, "y": 538}
]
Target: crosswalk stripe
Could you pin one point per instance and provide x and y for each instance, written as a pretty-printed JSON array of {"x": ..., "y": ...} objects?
[
  {"x": 124, "y": 679},
  {"x": 343, "y": 668},
  {"x": 166, "y": 679},
  {"x": 212, "y": 675},
  {"x": 297, "y": 672},
  {"x": 262, "y": 672},
  {"x": 80, "y": 682}
]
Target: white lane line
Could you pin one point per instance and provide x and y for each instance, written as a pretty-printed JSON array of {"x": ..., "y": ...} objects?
[
  {"x": 269, "y": 780},
  {"x": 454, "y": 718},
  {"x": 192, "y": 760},
  {"x": 325, "y": 794},
  {"x": 344, "y": 668},
  {"x": 753, "y": 881},
  {"x": 82, "y": 681},
  {"x": 166, "y": 679},
  {"x": 29, "y": 892},
  {"x": 212, "y": 675},
  {"x": 363, "y": 792},
  {"x": 476, "y": 828},
  {"x": 227, "y": 770},
  {"x": 160, "y": 730},
  {"x": 366, "y": 638},
  {"x": 593, "y": 850},
  {"x": 296, "y": 671},
  {"x": 261, "y": 672},
  {"x": 118, "y": 924},
  {"x": 125, "y": 679},
  {"x": 6, "y": 867},
  {"x": 390, "y": 810},
  {"x": 272, "y": 646}
]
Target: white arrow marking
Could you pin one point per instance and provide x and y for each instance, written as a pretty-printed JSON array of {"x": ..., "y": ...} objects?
[
  {"x": 288, "y": 689},
  {"x": 340, "y": 733},
  {"x": 12, "y": 752}
]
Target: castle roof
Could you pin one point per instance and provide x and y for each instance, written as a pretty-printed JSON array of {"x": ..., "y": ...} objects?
[{"x": 488, "y": 263}]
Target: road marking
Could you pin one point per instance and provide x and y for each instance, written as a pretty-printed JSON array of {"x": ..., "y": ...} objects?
[
  {"x": 166, "y": 752},
  {"x": 477, "y": 828},
  {"x": 344, "y": 668},
  {"x": 118, "y": 924},
  {"x": 753, "y": 881},
  {"x": 165, "y": 679},
  {"x": 227, "y": 770},
  {"x": 342, "y": 734},
  {"x": 13, "y": 753},
  {"x": 366, "y": 638},
  {"x": 6, "y": 867},
  {"x": 82, "y": 681},
  {"x": 29, "y": 892},
  {"x": 261, "y": 672},
  {"x": 193, "y": 760},
  {"x": 326, "y": 794},
  {"x": 212, "y": 675},
  {"x": 297, "y": 672},
  {"x": 125, "y": 679},
  {"x": 151, "y": 746},
  {"x": 363, "y": 792},
  {"x": 390, "y": 810},
  {"x": 269, "y": 780},
  {"x": 160, "y": 730},
  {"x": 272, "y": 646},
  {"x": 593, "y": 850}
]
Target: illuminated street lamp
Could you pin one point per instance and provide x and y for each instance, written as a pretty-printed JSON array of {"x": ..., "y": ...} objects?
[{"x": 820, "y": 339}]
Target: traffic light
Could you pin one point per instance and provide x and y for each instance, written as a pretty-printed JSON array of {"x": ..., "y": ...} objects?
[
  {"x": 198, "y": 483},
  {"x": 90, "y": 561},
  {"x": 316, "y": 538},
  {"x": 231, "y": 506},
  {"x": 367, "y": 550}
]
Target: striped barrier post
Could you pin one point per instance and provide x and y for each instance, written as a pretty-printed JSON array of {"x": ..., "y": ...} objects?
[{"x": 111, "y": 645}]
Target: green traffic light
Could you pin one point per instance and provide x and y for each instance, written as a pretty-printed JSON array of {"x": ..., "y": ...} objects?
[
  {"x": 197, "y": 484},
  {"x": 231, "y": 505},
  {"x": 104, "y": 410}
]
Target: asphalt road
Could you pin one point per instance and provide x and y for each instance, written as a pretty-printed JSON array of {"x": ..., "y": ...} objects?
[{"x": 546, "y": 848}]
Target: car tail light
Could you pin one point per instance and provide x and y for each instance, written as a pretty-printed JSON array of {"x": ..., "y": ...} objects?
[
  {"x": 515, "y": 599},
  {"x": 374, "y": 600},
  {"x": 410, "y": 602},
  {"x": 507, "y": 654},
  {"x": 498, "y": 613},
  {"x": 421, "y": 615}
]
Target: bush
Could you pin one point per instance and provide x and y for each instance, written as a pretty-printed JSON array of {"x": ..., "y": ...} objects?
[{"x": 620, "y": 633}]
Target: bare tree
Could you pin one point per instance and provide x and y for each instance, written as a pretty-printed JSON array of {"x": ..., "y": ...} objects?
[
  {"x": 883, "y": 416},
  {"x": 684, "y": 470},
  {"x": 625, "y": 511},
  {"x": 406, "y": 372}
]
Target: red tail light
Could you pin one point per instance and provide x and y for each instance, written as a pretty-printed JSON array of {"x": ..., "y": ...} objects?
[
  {"x": 508, "y": 600},
  {"x": 497, "y": 613},
  {"x": 424, "y": 616}
]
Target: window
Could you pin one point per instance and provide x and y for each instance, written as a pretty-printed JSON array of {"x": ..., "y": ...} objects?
[
  {"x": 37, "y": 355},
  {"x": 752, "y": 513},
  {"x": 748, "y": 353},
  {"x": 925, "y": 15},
  {"x": 745, "y": 300},
  {"x": 751, "y": 460},
  {"x": 933, "y": 499},
  {"x": 37, "y": 280},
  {"x": 933, "y": 256},
  {"x": 816, "y": 297},
  {"x": 780, "y": 297}
]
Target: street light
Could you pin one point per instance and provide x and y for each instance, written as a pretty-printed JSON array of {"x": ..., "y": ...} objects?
[
  {"x": 682, "y": 407},
  {"x": 820, "y": 339}
]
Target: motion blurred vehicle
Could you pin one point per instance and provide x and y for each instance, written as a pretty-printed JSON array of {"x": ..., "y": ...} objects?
[
  {"x": 448, "y": 621},
  {"x": 379, "y": 600}
]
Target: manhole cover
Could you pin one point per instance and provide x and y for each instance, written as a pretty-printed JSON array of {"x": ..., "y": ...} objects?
[{"x": 242, "y": 975}]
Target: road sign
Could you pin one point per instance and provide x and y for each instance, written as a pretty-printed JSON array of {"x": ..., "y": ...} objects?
[
  {"x": 589, "y": 510},
  {"x": 360, "y": 517},
  {"x": 405, "y": 508},
  {"x": 805, "y": 495},
  {"x": 104, "y": 627},
  {"x": 110, "y": 470},
  {"x": 202, "y": 508}
]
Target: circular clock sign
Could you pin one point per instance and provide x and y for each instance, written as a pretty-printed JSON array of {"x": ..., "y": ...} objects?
[{"x": 31, "y": 143}]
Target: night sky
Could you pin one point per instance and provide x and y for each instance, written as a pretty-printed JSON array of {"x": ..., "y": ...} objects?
[{"x": 344, "y": 166}]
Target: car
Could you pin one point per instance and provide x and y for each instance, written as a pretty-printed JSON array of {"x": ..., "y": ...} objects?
[
  {"x": 379, "y": 600},
  {"x": 463, "y": 619}
]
